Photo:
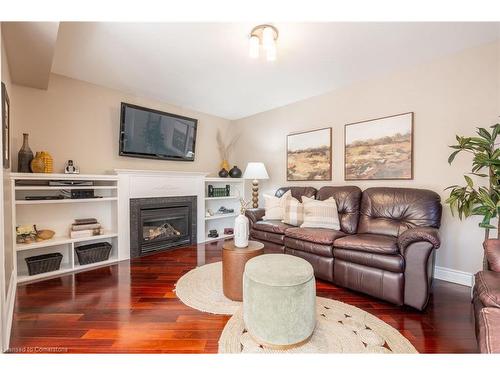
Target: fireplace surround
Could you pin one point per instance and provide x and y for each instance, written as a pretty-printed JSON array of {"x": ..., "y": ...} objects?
[{"x": 161, "y": 223}]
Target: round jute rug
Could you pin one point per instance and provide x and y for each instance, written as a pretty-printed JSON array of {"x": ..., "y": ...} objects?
[
  {"x": 201, "y": 289},
  {"x": 340, "y": 328}
]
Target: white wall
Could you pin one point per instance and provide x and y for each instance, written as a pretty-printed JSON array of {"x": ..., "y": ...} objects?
[
  {"x": 449, "y": 96},
  {"x": 80, "y": 121}
]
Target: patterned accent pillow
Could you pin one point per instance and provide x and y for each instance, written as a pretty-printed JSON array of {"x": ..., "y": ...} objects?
[
  {"x": 320, "y": 214},
  {"x": 293, "y": 212},
  {"x": 274, "y": 206}
]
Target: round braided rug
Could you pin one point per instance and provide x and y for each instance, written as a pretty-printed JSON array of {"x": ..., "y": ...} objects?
[
  {"x": 201, "y": 289},
  {"x": 340, "y": 328}
]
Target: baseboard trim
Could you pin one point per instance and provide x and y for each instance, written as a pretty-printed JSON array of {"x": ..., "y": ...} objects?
[
  {"x": 10, "y": 301},
  {"x": 453, "y": 276}
]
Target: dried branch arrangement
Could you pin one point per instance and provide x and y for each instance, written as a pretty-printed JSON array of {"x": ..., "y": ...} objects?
[
  {"x": 225, "y": 146},
  {"x": 244, "y": 205}
]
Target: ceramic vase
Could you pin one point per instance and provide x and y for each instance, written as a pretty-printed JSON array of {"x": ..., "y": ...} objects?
[
  {"x": 224, "y": 165},
  {"x": 223, "y": 173},
  {"x": 24, "y": 156},
  {"x": 48, "y": 162},
  {"x": 235, "y": 172},
  {"x": 241, "y": 231},
  {"x": 37, "y": 164}
]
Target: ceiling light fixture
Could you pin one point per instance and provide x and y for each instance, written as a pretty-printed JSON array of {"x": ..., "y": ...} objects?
[{"x": 265, "y": 35}]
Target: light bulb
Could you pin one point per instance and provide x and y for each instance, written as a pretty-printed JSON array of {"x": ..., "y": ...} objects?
[
  {"x": 271, "y": 53},
  {"x": 268, "y": 38},
  {"x": 254, "y": 47}
]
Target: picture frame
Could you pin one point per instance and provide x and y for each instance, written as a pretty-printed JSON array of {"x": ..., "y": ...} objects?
[
  {"x": 309, "y": 155},
  {"x": 379, "y": 149},
  {"x": 5, "y": 127}
]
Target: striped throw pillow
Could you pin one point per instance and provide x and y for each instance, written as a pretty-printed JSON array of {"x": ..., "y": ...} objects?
[
  {"x": 320, "y": 214},
  {"x": 293, "y": 212}
]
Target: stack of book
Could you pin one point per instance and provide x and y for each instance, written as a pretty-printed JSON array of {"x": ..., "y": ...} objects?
[{"x": 85, "y": 228}]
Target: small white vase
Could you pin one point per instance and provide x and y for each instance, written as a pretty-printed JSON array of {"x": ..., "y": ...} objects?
[{"x": 241, "y": 231}]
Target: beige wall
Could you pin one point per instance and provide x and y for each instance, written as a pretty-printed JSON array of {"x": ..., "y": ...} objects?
[
  {"x": 7, "y": 217},
  {"x": 449, "y": 96},
  {"x": 80, "y": 121}
]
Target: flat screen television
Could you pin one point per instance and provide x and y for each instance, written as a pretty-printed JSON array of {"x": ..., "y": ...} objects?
[{"x": 148, "y": 133}]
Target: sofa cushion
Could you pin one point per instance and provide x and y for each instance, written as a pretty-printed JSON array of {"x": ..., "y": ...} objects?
[
  {"x": 297, "y": 192},
  {"x": 348, "y": 199},
  {"x": 488, "y": 288},
  {"x": 260, "y": 235},
  {"x": 388, "y": 262},
  {"x": 316, "y": 235},
  {"x": 489, "y": 330},
  {"x": 272, "y": 226},
  {"x": 492, "y": 253},
  {"x": 312, "y": 248},
  {"x": 372, "y": 243},
  {"x": 390, "y": 211}
]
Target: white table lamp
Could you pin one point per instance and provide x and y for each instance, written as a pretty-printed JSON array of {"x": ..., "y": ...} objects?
[{"x": 255, "y": 171}]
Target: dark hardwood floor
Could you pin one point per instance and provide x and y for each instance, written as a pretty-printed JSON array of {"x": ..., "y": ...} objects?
[{"x": 130, "y": 307}]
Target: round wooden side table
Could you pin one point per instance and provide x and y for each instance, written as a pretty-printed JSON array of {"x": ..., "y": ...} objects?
[{"x": 233, "y": 264}]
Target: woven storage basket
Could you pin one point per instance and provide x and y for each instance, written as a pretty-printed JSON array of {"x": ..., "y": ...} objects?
[
  {"x": 43, "y": 263},
  {"x": 92, "y": 253}
]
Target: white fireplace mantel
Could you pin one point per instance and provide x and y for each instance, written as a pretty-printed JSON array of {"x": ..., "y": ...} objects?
[{"x": 154, "y": 183}]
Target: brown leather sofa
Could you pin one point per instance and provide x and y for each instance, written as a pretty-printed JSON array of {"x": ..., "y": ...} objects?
[
  {"x": 384, "y": 248},
  {"x": 486, "y": 299}
]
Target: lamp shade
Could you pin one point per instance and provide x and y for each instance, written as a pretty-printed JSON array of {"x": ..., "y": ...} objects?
[{"x": 255, "y": 171}]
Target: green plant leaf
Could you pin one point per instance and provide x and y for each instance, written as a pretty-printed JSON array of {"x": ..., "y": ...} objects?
[
  {"x": 452, "y": 156},
  {"x": 469, "y": 181}
]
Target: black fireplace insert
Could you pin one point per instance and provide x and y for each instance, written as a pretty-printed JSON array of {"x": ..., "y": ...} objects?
[{"x": 163, "y": 223}]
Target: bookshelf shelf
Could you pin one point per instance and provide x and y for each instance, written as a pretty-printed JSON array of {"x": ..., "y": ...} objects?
[{"x": 58, "y": 215}]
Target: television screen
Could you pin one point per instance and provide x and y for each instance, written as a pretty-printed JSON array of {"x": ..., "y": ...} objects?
[{"x": 147, "y": 133}]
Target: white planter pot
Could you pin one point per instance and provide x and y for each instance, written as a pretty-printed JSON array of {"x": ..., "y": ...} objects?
[{"x": 241, "y": 231}]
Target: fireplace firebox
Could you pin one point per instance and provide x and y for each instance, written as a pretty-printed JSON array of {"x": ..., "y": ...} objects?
[{"x": 163, "y": 223}]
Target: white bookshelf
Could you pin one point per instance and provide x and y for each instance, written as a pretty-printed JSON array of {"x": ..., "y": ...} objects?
[
  {"x": 58, "y": 215},
  {"x": 221, "y": 221}
]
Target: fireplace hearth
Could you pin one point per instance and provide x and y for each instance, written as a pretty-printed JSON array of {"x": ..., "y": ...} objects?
[{"x": 162, "y": 223}]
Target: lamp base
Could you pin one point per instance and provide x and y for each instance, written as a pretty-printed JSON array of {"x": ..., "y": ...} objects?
[{"x": 255, "y": 193}]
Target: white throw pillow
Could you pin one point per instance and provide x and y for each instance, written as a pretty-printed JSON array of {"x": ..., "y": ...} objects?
[
  {"x": 274, "y": 206},
  {"x": 293, "y": 211},
  {"x": 320, "y": 214}
]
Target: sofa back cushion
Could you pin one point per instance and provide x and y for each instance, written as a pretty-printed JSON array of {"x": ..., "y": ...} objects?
[
  {"x": 348, "y": 199},
  {"x": 391, "y": 211},
  {"x": 297, "y": 192}
]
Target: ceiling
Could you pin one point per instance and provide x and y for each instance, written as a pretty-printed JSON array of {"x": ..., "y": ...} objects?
[{"x": 205, "y": 66}]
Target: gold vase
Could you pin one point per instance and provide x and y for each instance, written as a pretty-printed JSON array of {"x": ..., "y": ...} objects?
[
  {"x": 224, "y": 165},
  {"x": 38, "y": 163},
  {"x": 48, "y": 162}
]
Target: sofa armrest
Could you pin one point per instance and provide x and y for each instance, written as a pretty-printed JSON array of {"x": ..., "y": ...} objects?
[
  {"x": 418, "y": 234},
  {"x": 254, "y": 215}
]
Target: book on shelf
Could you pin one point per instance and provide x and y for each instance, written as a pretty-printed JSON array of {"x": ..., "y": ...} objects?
[
  {"x": 77, "y": 227},
  {"x": 88, "y": 220},
  {"x": 86, "y": 233}
]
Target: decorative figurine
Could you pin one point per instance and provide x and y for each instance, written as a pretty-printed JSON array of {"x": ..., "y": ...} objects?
[{"x": 70, "y": 168}]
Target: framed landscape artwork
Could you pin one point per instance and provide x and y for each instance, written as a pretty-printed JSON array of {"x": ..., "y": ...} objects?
[
  {"x": 5, "y": 127},
  {"x": 309, "y": 155},
  {"x": 379, "y": 149}
]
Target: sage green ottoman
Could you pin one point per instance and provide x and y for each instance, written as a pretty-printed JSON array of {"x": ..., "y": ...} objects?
[{"x": 279, "y": 300}]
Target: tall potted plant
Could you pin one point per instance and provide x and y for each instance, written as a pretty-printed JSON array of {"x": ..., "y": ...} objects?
[{"x": 482, "y": 200}]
